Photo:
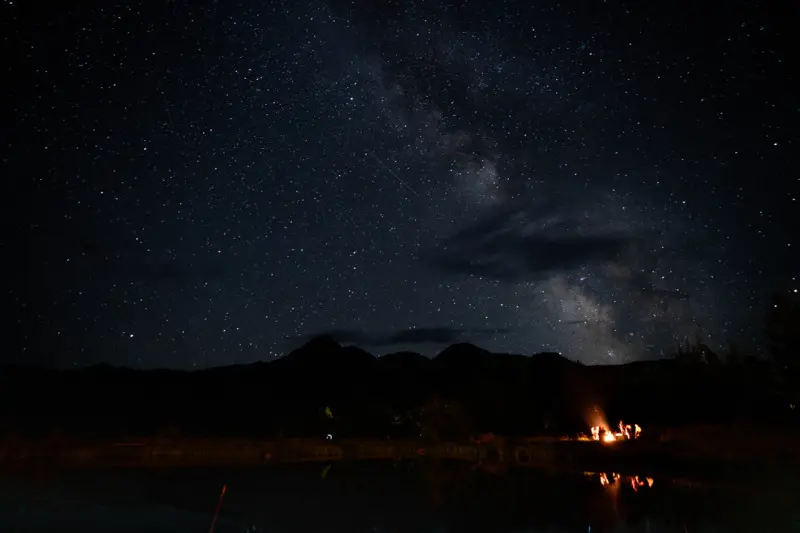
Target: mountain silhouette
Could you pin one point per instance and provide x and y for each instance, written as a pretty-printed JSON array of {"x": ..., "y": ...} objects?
[
  {"x": 324, "y": 353},
  {"x": 375, "y": 396}
]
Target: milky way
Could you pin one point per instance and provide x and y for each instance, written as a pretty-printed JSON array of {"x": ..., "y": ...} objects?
[{"x": 209, "y": 183}]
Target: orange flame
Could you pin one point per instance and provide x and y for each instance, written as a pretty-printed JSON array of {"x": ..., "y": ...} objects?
[
  {"x": 625, "y": 432},
  {"x": 616, "y": 480}
]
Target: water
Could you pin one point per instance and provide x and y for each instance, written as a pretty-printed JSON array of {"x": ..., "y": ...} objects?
[{"x": 389, "y": 498}]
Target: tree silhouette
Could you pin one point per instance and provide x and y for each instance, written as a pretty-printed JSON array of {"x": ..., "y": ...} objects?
[
  {"x": 444, "y": 420},
  {"x": 783, "y": 332},
  {"x": 734, "y": 356},
  {"x": 697, "y": 353}
]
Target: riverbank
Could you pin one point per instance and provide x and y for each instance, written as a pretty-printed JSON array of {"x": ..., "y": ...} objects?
[{"x": 715, "y": 454}]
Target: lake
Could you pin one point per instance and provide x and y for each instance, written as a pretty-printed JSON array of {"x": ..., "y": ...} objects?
[{"x": 386, "y": 497}]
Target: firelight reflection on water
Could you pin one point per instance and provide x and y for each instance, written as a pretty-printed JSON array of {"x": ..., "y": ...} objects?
[{"x": 385, "y": 497}]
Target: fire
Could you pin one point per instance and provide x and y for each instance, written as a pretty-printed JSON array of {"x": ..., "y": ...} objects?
[
  {"x": 623, "y": 432},
  {"x": 616, "y": 480}
]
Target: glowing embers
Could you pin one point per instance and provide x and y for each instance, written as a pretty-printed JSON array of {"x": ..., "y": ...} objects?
[{"x": 623, "y": 432}]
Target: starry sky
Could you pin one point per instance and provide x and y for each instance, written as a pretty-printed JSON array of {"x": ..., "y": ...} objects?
[{"x": 207, "y": 183}]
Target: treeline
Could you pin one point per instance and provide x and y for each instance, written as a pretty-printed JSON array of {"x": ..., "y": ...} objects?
[{"x": 325, "y": 388}]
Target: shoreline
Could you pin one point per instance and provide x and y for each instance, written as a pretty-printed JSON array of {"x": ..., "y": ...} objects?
[{"x": 706, "y": 458}]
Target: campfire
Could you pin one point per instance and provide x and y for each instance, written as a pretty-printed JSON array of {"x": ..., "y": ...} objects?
[
  {"x": 623, "y": 432},
  {"x": 633, "y": 481}
]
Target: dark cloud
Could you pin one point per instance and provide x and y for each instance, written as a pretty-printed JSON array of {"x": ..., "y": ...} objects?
[
  {"x": 441, "y": 335},
  {"x": 582, "y": 322},
  {"x": 640, "y": 283},
  {"x": 665, "y": 293},
  {"x": 434, "y": 335},
  {"x": 342, "y": 336},
  {"x": 522, "y": 245}
]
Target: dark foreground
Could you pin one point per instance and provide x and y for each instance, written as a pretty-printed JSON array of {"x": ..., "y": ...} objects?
[
  {"x": 423, "y": 495},
  {"x": 722, "y": 455}
]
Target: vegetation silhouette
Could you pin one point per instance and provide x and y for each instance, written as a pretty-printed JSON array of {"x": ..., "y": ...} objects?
[{"x": 324, "y": 388}]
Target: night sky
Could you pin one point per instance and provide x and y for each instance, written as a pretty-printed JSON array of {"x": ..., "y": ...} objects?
[{"x": 209, "y": 182}]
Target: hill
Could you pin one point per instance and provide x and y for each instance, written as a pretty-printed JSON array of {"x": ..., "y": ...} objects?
[{"x": 463, "y": 390}]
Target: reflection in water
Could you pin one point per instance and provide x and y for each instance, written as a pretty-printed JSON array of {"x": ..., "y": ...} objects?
[{"x": 399, "y": 497}]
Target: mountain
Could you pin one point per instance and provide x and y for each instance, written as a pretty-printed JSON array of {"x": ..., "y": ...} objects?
[
  {"x": 325, "y": 352},
  {"x": 375, "y": 396}
]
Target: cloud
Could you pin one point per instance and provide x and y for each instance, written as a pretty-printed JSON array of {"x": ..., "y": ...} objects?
[
  {"x": 665, "y": 293},
  {"x": 637, "y": 281},
  {"x": 525, "y": 245},
  {"x": 441, "y": 335},
  {"x": 581, "y": 322},
  {"x": 433, "y": 335},
  {"x": 342, "y": 336}
]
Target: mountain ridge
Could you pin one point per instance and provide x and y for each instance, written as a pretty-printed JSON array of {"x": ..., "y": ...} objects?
[
  {"x": 503, "y": 393},
  {"x": 313, "y": 348}
]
